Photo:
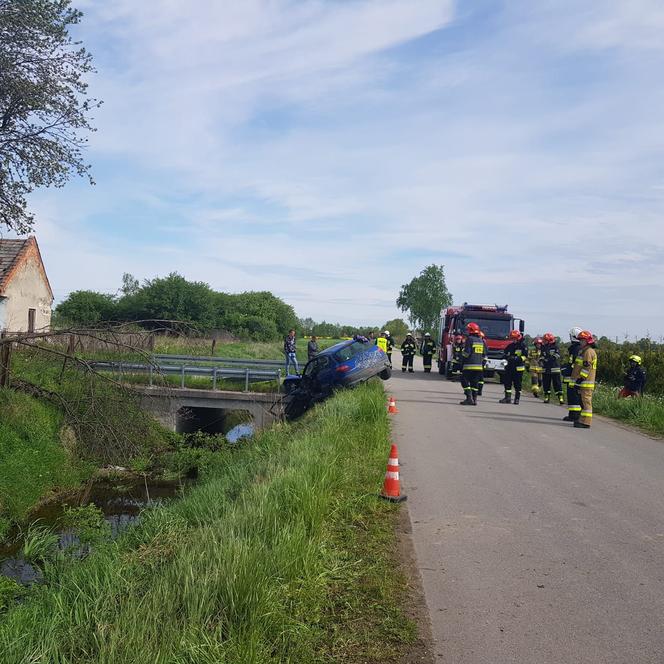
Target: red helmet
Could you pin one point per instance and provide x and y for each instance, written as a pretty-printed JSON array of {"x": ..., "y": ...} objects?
[
  {"x": 586, "y": 336},
  {"x": 538, "y": 341},
  {"x": 549, "y": 338},
  {"x": 515, "y": 334},
  {"x": 473, "y": 328}
]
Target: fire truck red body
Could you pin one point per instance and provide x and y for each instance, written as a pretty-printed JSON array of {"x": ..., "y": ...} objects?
[{"x": 496, "y": 323}]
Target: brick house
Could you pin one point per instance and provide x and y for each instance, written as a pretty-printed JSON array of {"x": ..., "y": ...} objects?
[{"x": 25, "y": 293}]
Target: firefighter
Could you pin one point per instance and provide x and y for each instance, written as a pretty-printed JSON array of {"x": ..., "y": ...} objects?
[
  {"x": 408, "y": 350},
  {"x": 635, "y": 379},
  {"x": 515, "y": 355},
  {"x": 573, "y": 402},
  {"x": 390, "y": 346},
  {"x": 550, "y": 362},
  {"x": 427, "y": 349},
  {"x": 381, "y": 342},
  {"x": 583, "y": 375},
  {"x": 485, "y": 359},
  {"x": 457, "y": 349},
  {"x": 534, "y": 355},
  {"x": 472, "y": 368}
]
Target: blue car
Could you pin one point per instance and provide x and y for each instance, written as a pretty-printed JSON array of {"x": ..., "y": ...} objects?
[{"x": 343, "y": 365}]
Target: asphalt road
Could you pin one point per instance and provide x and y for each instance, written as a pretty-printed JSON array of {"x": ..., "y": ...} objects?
[{"x": 537, "y": 543}]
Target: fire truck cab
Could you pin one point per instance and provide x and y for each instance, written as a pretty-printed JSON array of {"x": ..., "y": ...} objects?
[{"x": 494, "y": 320}]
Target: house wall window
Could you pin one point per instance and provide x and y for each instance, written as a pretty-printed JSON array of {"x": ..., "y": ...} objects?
[{"x": 31, "y": 319}]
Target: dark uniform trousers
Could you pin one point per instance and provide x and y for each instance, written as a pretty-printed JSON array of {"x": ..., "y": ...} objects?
[
  {"x": 552, "y": 376},
  {"x": 470, "y": 381}
]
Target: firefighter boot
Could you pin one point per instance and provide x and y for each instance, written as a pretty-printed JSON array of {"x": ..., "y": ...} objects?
[
  {"x": 581, "y": 425},
  {"x": 468, "y": 400},
  {"x": 480, "y": 387},
  {"x": 507, "y": 398},
  {"x": 547, "y": 397},
  {"x": 474, "y": 396},
  {"x": 517, "y": 398},
  {"x": 561, "y": 399}
]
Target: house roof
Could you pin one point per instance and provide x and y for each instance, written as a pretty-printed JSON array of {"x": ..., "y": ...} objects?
[{"x": 13, "y": 253}]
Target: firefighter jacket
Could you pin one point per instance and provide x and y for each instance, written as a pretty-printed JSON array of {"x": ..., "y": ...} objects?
[
  {"x": 550, "y": 358},
  {"x": 390, "y": 344},
  {"x": 457, "y": 350},
  {"x": 428, "y": 347},
  {"x": 534, "y": 355},
  {"x": 473, "y": 353},
  {"x": 573, "y": 351},
  {"x": 409, "y": 347},
  {"x": 635, "y": 379},
  {"x": 515, "y": 354},
  {"x": 585, "y": 368}
]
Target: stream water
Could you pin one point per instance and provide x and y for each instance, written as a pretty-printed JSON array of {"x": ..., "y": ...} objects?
[{"x": 121, "y": 501}]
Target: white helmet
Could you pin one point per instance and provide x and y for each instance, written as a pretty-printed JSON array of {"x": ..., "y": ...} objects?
[
  {"x": 574, "y": 332},
  {"x": 427, "y": 334},
  {"x": 387, "y": 333}
]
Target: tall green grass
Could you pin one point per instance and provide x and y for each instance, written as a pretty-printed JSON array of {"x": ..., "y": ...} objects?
[
  {"x": 33, "y": 459},
  {"x": 282, "y": 554},
  {"x": 646, "y": 412}
]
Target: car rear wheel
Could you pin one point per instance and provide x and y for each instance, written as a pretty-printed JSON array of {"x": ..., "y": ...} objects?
[{"x": 386, "y": 373}]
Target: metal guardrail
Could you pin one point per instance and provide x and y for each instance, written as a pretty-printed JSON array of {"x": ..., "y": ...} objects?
[
  {"x": 248, "y": 374},
  {"x": 219, "y": 360}
]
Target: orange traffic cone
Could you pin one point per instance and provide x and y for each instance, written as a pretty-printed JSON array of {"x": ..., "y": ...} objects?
[
  {"x": 392, "y": 408},
  {"x": 391, "y": 485}
]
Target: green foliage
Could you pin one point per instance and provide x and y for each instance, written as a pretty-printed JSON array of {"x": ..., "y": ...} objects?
[
  {"x": 613, "y": 360},
  {"x": 86, "y": 308},
  {"x": 646, "y": 412},
  {"x": 43, "y": 104},
  {"x": 31, "y": 457},
  {"x": 88, "y": 522},
  {"x": 424, "y": 298},
  {"x": 40, "y": 544},
  {"x": 282, "y": 555},
  {"x": 397, "y": 328},
  {"x": 10, "y": 591}
]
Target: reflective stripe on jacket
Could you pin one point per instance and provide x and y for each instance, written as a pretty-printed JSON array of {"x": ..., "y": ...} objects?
[{"x": 473, "y": 354}]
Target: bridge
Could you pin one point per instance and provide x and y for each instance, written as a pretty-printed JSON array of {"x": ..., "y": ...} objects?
[{"x": 186, "y": 409}]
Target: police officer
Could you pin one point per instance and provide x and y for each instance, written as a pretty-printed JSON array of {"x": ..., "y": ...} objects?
[
  {"x": 457, "y": 349},
  {"x": 583, "y": 375},
  {"x": 550, "y": 362},
  {"x": 408, "y": 350},
  {"x": 390, "y": 345},
  {"x": 515, "y": 356},
  {"x": 427, "y": 349},
  {"x": 473, "y": 360},
  {"x": 573, "y": 401},
  {"x": 534, "y": 355}
]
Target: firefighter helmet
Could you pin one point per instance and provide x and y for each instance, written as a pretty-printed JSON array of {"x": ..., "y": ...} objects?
[
  {"x": 586, "y": 336},
  {"x": 386, "y": 333},
  {"x": 538, "y": 341},
  {"x": 515, "y": 334},
  {"x": 549, "y": 338},
  {"x": 473, "y": 328},
  {"x": 574, "y": 332},
  {"x": 635, "y": 358},
  {"x": 427, "y": 334}
]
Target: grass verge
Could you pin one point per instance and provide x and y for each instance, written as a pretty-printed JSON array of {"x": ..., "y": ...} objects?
[
  {"x": 646, "y": 412},
  {"x": 282, "y": 554}
]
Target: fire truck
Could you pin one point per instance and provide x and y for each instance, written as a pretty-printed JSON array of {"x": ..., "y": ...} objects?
[{"x": 496, "y": 323}]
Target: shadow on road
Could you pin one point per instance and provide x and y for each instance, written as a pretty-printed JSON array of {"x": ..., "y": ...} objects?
[{"x": 523, "y": 419}]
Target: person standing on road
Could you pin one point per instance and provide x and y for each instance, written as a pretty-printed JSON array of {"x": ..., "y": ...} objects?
[
  {"x": 457, "y": 358},
  {"x": 408, "y": 350},
  {"x": 473, "y": 364},
  {"x": 534, "y": 355},
  {"x": 312, "y": 347},
  {"x": 390, "y": 346},
  {"x": 635, "y": 379},
  {"x": 515, "y": 356},
  {"x": 290, "y": 350},
  {"x": 427, "y": 349},
  {"x": 573, "y": 401},
  {"x": 550, "y": 362},
  {"x": 583, "y": 375}
]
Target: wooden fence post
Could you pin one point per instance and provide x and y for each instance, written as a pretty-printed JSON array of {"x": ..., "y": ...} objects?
[{"x": 5, "y": 360}]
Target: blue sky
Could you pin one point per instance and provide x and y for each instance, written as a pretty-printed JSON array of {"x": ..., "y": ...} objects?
[{"x": 328, "y": 150}]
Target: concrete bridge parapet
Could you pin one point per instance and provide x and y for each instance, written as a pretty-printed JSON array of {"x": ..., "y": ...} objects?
[{"x": 165, "y": 403}]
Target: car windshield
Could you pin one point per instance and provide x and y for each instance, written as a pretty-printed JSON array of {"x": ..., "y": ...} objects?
[
  {"x": 352, "y": 349},
  {"x": 494, "y": 328}
]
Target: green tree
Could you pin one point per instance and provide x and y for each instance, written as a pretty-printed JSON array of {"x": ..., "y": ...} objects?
[
  {"x": 84, "y": 308},
  {"x": 424, "y": 298},
  {"x": 397, "y": 327},
  {"x": 171, "y": 298},
  {"x": 130, "y": 284},
  {"x": 44, "y": 109}
]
